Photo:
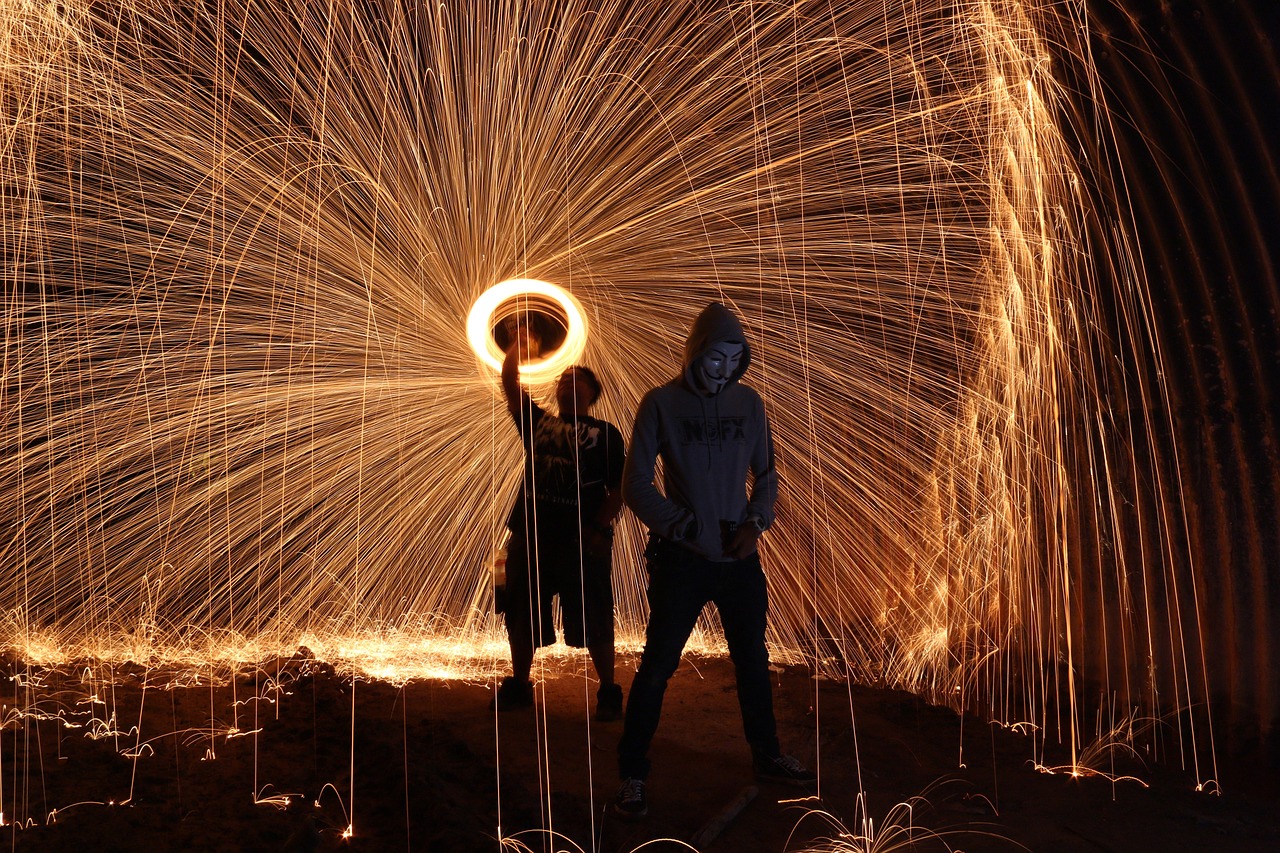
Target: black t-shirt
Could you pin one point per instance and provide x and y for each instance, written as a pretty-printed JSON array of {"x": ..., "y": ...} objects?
[{"x": 568, "y": 466}]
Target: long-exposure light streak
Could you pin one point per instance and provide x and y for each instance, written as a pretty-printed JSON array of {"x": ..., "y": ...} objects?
[
  {"x": 242, "y": 411},
  {"x": 480, "y": 322}
]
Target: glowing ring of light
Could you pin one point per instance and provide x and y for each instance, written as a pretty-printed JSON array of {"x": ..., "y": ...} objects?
[{"x": 480, "y": 325}]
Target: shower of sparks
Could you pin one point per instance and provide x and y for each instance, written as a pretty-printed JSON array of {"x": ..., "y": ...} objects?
[{"x": 241, "y": 241}]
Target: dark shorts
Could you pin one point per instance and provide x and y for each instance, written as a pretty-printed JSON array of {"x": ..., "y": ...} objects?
[{"x": 558, "y": 567}]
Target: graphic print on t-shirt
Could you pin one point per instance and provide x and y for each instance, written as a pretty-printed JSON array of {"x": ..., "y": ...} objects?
[
  {"x": 712, "y": 430},
  {"x": 561, "y": 448}
]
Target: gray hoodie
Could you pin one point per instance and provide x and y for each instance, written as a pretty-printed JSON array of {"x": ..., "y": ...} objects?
[{"x": 708, "y": 443}]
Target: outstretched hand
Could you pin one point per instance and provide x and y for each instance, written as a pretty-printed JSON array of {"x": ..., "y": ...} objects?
[
  {"x": 525, "y": 345},
  {"x": 524, "y": 340}
]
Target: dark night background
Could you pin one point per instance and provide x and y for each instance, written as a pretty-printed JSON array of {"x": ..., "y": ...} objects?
[{"x": 1195, "y": 87}]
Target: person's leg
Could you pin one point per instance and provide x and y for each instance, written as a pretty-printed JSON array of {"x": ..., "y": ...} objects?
[
  {"x": 742, "y": 597},
  {"x": 597, "y": 609},
  {"x": 545, "y": 576},
  {"x": 520, "y": 612},
  {"x": 609, "y": 693},
  {"x": 602, "y": 658},
  {"x": 521, "y": 607},
  {"x": 676, "y": 596},
  {"x": 521, "y": 643},
  {"x": 586, "y": 601}
]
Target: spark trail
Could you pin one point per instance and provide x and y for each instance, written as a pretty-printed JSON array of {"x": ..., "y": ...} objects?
[{"x": 241, "y": 242}]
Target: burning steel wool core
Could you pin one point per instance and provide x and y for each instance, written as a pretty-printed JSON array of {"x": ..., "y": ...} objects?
[
  {"x": 241, "y": 412},
  {"x": 565, "y": 335}
]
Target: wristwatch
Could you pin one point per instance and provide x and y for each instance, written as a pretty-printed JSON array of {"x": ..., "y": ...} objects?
[{"x": 755, "y": 521}]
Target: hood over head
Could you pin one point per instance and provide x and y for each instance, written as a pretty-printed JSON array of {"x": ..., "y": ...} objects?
[{"x": 714, "y": 325}]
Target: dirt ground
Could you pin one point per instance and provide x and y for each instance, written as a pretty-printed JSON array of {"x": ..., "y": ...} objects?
[{"x": 133, "y": 765}]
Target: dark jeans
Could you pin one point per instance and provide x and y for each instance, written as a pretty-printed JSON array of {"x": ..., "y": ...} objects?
[{"x": 680, "y": 585}]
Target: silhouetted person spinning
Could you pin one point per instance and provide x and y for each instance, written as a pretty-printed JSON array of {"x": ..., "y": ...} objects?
[
  {"x": 561, "y": 528},
  {"x": 709, "y": 431}
]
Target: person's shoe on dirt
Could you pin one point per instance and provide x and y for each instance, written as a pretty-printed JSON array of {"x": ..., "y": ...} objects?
[
  {"x": 609, "y": 703},
  {"x": 630, "y": 802},
  {"x": 785, "y": 769},
  {"x": 512, "y": 695}
]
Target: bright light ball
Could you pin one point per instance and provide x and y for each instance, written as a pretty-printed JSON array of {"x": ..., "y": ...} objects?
[{"x": 528, "y": 295}]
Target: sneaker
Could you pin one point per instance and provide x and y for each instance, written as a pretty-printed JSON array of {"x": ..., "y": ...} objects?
[
  {"x": 630, "y": 802},
  {"x": 512, "y": 695},
  {"x": 609, "y": 703},
  {"x": 784, "y": 768}
]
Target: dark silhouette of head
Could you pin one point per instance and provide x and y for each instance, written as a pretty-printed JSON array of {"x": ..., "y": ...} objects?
[{"x": 577, "y": 390}]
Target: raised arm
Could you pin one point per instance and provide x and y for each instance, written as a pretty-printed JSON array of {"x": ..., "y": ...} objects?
[{"x": 524, "y": 346}]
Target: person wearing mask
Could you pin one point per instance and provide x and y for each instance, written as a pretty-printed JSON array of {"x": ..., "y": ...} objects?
[{"x": 710, "y": 431}]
